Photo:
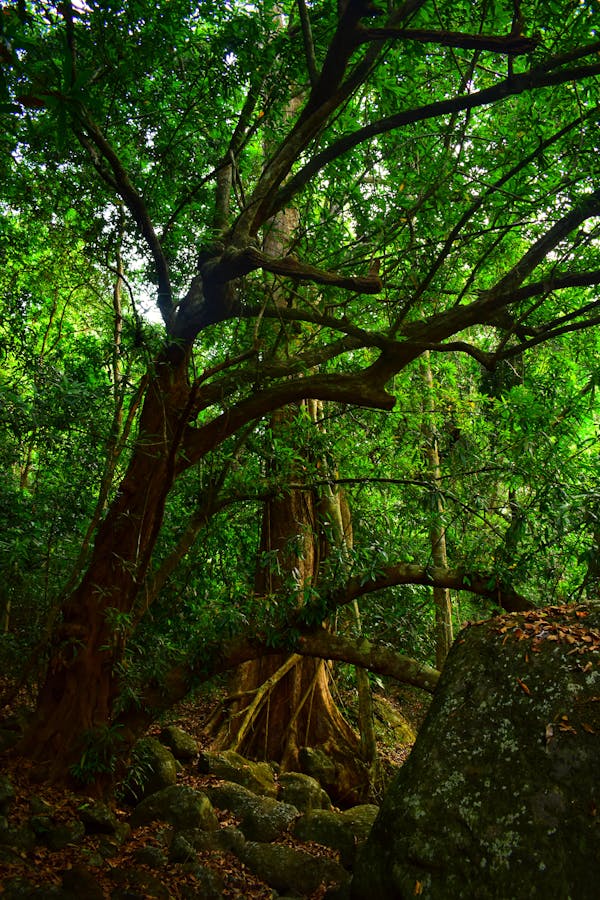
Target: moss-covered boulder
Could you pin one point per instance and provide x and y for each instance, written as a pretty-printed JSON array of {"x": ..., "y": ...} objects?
[
  {"x": 286, "y": 869},
  {"x": 152, "y": 768},
  {"x": 181, "y": 744},
  {"x": 303, "y": 792},
  {"x": 500, "y": 795},
  {"x": 261, "y": 818},
  {"x": 256, "y": 776},
  {"x": 180, "y": 806}
]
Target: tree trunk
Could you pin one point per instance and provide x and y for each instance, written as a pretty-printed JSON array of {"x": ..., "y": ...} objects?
[
  {"x": 81, "y": 683},
  {"x": 437, "y": 533},
  {"x": 281, "y": 704}
]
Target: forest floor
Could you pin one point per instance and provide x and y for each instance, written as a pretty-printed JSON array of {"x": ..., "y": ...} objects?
[{"x": 44, "y": 867}]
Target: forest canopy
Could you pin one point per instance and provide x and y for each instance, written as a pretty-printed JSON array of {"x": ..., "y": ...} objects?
[{"x": 299, "y": 306}]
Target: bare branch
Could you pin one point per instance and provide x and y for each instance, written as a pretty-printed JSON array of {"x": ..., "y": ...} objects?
[
  {"x": 309, "y": 47},
  {"x": 119, "y": 180},
  {"x": 496, "y": 186},
  {"x": 587, "y": 208}
]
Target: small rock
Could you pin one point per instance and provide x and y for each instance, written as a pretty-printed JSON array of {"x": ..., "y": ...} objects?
[
  {"x": 316, "y": 763},
  {"x": 222, "y": 840},
  {"x": 285, "y": 868},
  {"x": 209, "y": 885},
  {"x": 98, "y": 818},
  {"x": 303, "y": 792},
  {"x": 262, "y": 818},
  {"x": 257, "y": 776},
  {"x": 79, "y": 882},
  {"x": 181, "y": 744},
  {"x": 39, "y": 807},
  {"x": 17, "y": 838},
  {"x": 178, "y": 805},
  {"x": 149, "y": 856},
  {"x": 360, "y": 819},
  {"x": 60, "y": 836},
  {"x": 326, "y": 827},
  {"x": 136, "y": 883},
  {"x": 152, "y": 768},
  {"x": 22, "y": 889},
  {"x": 181, "y": 850}
]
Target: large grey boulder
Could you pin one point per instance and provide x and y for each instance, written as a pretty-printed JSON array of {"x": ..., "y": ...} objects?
[
  {"x": 180, "y": 806},
  {"x": 261, "y": 818},
  {"x": 500, "y": 795},
  {"x": 256, "y": 776}
]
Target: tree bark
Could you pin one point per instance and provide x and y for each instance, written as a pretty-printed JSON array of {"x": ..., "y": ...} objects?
[
  {"x": 81, "y": 683},
  {"x": 297, "y": 708},
  {"x": 437, "y": 532}
]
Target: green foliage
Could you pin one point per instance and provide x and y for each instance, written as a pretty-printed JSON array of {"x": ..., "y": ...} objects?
[
  {"x": 141, "y": 767},
  {"x": 102, "y": 747}
]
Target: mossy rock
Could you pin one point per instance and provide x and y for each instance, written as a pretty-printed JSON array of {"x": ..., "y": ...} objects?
[
  {"x": 231, "y": 766},
  {"x": 499, "y": 795}
]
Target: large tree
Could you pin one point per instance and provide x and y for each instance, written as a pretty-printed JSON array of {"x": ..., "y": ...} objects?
[{"x": 442, "y": 162}]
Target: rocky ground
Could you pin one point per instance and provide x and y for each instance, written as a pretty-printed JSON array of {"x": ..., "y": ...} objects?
[{"x": 209, "y": 826}]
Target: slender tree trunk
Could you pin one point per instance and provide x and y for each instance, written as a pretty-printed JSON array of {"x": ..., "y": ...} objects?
[{"x": 437, "y": 534}]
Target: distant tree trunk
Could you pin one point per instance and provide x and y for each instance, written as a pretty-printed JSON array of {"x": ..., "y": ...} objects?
[
  {"x": 437, "y": 533},
  {"x": 282, "y": 703},
  {"x": 337, "y": 512}
]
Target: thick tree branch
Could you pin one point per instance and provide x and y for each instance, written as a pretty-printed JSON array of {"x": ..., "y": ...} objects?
[
  {"x": 326, "y": 96},
  {"x": 217, "y": 657},
  {"x": 356, "y": 389},
  {"x": 485, "y": 585},
  {"x": 588, "y": 207},
  {"x": 515, "y": 45},
  {"x": 377, "y": 658},
  {"x": 234, "y": 264}
]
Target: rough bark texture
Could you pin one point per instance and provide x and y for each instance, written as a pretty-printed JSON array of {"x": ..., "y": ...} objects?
[
  {"x": 297, "y": 709},
  {"x": 81, "y": 681},
  {"x": 499, "y": 796}
]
